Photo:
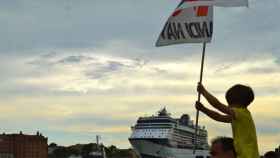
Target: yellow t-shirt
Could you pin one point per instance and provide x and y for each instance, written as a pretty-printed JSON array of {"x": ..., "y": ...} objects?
[{"x": 244, "y": 134}]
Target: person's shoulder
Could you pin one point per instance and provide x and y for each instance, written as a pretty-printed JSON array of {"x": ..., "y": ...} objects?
[
  {"x": 236, "y": 109},
  {"x": 239, "y": 108},
  {"x": 240, "y": 112}
]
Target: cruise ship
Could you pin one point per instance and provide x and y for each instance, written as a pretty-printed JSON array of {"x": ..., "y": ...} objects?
[{"x": 162, "y": 136}]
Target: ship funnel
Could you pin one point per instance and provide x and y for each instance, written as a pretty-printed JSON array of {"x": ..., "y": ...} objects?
[{"x": 184, "y": 120}]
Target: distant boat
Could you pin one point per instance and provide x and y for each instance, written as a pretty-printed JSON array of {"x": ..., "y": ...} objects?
[{"x": 162, "y": 136}]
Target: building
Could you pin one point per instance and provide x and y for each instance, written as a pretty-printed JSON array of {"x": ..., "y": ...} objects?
[{"x": 23, "y": 146}]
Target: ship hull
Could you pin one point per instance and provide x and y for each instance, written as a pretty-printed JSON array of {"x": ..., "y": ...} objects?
[{"x": 149, "y": 149}]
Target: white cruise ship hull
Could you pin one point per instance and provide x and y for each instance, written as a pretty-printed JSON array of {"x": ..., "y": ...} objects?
[{"x": 148, "y": 149}]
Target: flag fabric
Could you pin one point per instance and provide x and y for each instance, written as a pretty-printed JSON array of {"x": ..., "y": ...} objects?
[
  {"x": 219, "y": 3},
  {"x": 192, "y": 21},
  {"x": 187, "y": 25}
]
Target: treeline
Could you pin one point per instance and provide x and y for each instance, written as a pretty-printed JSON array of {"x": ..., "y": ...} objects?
[{"x": 84, "y": 150}]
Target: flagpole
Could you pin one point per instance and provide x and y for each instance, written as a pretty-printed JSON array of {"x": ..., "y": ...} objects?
[{"x": 198, "y": 99}]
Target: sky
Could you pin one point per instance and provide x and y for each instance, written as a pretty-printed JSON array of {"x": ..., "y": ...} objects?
[{"x": 75, "y": 69}]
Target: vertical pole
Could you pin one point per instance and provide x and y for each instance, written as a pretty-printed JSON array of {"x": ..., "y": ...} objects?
[
  {"x": 97, "y": 142},
  {"x": 198, "y": 97}
]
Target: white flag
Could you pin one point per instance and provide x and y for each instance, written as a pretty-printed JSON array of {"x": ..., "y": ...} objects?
[
  {"x": 188, "y": 25},
  {"x": 192, "y": 21},
  {"x": 219, "y": 3}
]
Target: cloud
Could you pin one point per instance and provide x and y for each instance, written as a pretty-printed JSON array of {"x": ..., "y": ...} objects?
[
  {"x": 268, "y": 142},
  {"x": 96, "y": 72},
  {"x": 75, "y": 59},
  {"x": 68, "y": 27},
  {"x": 53, "y": 58},
  {"x": 278, "y": 60},
  {"x": 82, "y": 116},
  {"x": 99, "y": 70},
  {"x": 258, "y": 63},
  {"x": 90, "y": 119},
  {"x": 94, "y": 67},
  {"x": 263, "y": 70}
]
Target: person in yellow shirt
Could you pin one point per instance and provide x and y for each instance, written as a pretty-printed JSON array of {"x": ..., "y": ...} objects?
[{"x": 239, "y": 97}]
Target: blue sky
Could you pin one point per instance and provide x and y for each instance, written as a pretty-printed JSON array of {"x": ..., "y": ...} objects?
[{"x": 76, "y": 69}]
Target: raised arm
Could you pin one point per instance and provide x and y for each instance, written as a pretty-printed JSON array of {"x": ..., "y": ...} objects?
[
  {"x": 214, "y": 101},
  {"x": 213, "y": 114}
]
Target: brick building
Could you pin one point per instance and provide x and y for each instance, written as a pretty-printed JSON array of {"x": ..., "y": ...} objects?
[{"x": 23, "y": 146}]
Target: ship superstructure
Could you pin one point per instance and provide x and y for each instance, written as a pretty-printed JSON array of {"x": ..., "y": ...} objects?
[{"x": 162, "y": 136}]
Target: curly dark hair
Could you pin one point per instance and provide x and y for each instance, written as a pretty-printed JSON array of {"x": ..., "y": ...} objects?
[
  {"x": 240, "y": 94},
  {"x": 226, "y": 142}
]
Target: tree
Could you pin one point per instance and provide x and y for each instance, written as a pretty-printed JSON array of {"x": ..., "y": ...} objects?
[
  {"x": 86, "y": 149},
  {"x": 53, "y": 144}
]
